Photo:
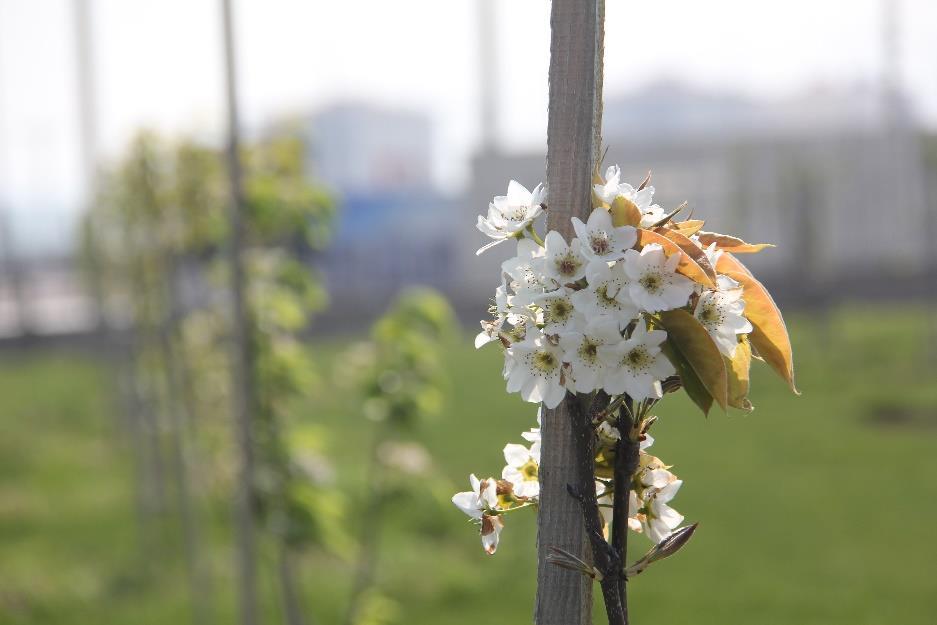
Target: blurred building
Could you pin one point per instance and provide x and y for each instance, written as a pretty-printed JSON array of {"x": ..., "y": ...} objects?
[
  {"x": 359, "y": 148},
  {"x": 392, "y": 222},
  {"x": 835, "y": 178}
]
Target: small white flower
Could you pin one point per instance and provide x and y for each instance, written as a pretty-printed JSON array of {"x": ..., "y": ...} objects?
[
  {"x": 636, "y": 365},
  {"x": 722, "y": 314},
  {"x": 601, "y": 240},
  {"x": 534, "y": 367},
  {"x": 613, "y": 187},
  {"x": 559, "y": 313},
  {"x": 561, "y": 262},
  {"x": 481, "y": 503},
  {"x": 509, "y": 215},
  {"x": 527, "y": 281},
  {"x": 522, "y": 469},
  {"x": 654, "y": 284},
  {"x": 482, "y": 498},
  {"x": 607, "y": 293},
  {"x": 660, "y": 520},
  {"x": 505, "y": 310},
  {"x": 507, "y": 306},
  {"x": 655, "y": 477},
  {"x": 581, "y": 351}
]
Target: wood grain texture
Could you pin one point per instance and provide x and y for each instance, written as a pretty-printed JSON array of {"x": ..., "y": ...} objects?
[{"x": 573, "y": 138}]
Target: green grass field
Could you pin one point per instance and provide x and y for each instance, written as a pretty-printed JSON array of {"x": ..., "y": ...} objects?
[{"x": 818, "y": 510}]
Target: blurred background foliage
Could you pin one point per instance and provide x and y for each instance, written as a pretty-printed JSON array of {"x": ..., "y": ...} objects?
[
  {"x": 809, "y": 507},
  {"x": 363, "y": 178}
]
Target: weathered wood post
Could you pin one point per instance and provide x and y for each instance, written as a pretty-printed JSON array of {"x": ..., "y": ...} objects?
[{"x": 573, "y": 142}]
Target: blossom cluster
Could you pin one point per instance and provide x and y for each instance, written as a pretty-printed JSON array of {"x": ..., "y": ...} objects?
[
  {"x": 582, "y": 315},
  {"x": 635, "y": 303},
  {"x": 652, "y": 488}
]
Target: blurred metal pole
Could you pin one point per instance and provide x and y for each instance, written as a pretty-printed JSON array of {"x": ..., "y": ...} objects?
[
  {"x": 11, "y": 268},
  {"x": 87, "y": 110},
  {"x": 891, "y": 63},
  {"x": 488, "y": 76},
  {"x": 87, "y": 145},
  {"x": 242, "y": 390}
]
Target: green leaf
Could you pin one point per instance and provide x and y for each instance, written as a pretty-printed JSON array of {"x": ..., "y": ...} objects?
[
  {"x": 693, "y": 342},
  {"x": 691, "y": 382}
]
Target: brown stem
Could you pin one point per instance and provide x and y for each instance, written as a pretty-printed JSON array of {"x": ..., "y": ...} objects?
[
  {"x": 626, "y": 463},
  {"x": 605, "y": 559}
]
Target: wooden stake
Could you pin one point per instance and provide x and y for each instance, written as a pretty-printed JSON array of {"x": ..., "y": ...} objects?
[{"x": 573, "y": 141}]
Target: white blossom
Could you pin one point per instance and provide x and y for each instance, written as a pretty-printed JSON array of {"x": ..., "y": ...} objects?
[
  {"x": 559, "y": 313},
  {"x": 522, "y": 469},
  {"x": 613, "y": 188},
  {"x": 527, "y": 281},
  {"x": 481, "y": 503},
  {"x": 722, "y": 314},
  {"x": 607, "y": 293},
  {"x": 659, "y": 519},
  {"x": 581, "y": 351},
  {"x": 509, "y": 215},
  {"x": 534, "y": 367},
  {"x": 600, "y": 239},
  {"x": 505, "y": 310},
  {"x": 636, "y": 366},
  {"x": 654, "y": 284},
  {"x": 482, "y": 498},
  {"x": 562, "y": 262}
]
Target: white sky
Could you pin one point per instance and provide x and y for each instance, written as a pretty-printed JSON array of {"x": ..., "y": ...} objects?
[{"x": 159, "y": 65}]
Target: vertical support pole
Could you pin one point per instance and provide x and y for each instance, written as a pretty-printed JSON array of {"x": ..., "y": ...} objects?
[
  {"x": 242, "y": 391},
  {"x": 488, "y": 73},
  {"x": 573, "y": 141},
  {"x": 88, "y": 155}
]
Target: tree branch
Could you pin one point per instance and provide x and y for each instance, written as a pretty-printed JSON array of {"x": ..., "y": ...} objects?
[
  {"x": 626, "y": 463},
  {"x": 606, "y": 560}
]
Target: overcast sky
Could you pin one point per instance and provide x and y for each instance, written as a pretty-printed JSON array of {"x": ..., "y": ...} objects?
[{"x": 159, "y": 65}]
